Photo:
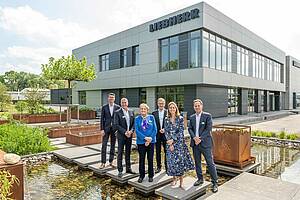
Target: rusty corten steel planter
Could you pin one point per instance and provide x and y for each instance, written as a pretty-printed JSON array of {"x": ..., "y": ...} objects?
[
  {"x": 86, "y": 138},
  {"x": 39, "y": 118},
  {"x": 18, "y": 171},
  {"x": 84, "y": 115},
  {"x": 62, "y": 131},
  {"x": 3, "y": 121},
  {"x": 232, "y": 145}
]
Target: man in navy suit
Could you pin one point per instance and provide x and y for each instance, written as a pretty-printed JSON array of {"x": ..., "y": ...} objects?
[
  {"x": 107, "y": 129},
  {"x": 200, "y": 127},
  {"x": 124, "y": 124},
  {"x": 160, "y": 115}
]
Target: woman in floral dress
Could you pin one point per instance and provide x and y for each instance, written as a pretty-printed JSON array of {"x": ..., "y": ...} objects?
[{"x": 179, "y": 159}]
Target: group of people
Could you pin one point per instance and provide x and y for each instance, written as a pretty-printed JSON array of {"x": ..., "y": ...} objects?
[{"x": 163, "y": 128}]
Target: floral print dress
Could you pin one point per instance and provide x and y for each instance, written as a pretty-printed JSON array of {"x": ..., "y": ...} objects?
[{"x": 179, "y": 160}]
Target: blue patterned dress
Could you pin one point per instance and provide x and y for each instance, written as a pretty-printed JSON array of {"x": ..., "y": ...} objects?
[{"x": 179, "y": 160}]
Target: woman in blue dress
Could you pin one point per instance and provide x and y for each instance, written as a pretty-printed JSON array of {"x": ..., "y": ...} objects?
[{"x": 179, "y": 159}]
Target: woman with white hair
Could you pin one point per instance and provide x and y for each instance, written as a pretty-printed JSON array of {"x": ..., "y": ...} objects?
[{"x": 146, "y": 130}]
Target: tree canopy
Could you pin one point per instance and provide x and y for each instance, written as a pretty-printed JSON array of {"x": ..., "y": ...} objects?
[{"x": 68, "y": 68}]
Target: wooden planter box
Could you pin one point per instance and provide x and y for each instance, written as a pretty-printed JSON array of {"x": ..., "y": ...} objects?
[
  {"x": 29, "y": 119},
  {"x": 84, "y": 115},
  {"x": 232, "y": 145},
  {"x": 86, "y": 138},
  {"x": 18, "y": 171},
  {"x": 62, "y": 131}
]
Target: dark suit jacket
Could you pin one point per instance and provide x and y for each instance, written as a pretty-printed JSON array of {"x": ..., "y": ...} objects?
[
  {"x": 106, "y": 119},
  {"x": 156, "y": 116},
  {"x": 120, "y": 122},
  {"x": 205, "y": 128}
]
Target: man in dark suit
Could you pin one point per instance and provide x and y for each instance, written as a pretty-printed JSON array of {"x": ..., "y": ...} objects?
[
  {"x": 160, "y": 115},
  {"x": 124, "y": 124},
  {"x": 107, "y": 129},
  {"x": 200, "y": 127}
]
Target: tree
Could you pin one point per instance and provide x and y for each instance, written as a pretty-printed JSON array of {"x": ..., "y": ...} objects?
[
  {"x": 4, "y": 98},
  {"x": 34, "y": 98},
  {"x": 68, "y": 69}
]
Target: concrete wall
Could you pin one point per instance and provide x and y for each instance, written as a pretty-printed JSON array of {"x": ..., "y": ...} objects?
[{"x": 292, "y": 81}]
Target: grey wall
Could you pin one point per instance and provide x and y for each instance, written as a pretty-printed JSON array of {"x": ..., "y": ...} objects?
[
  {"x": 214, "y": 99},
  {"x": 189, "y": 96},
  {"x": 243, "y": 101}
]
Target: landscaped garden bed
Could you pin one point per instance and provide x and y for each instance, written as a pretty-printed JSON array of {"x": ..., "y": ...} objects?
[
  {"x": 39, "y": 118},
  {"x": 84, "y": 138},
  {"x": 3, "y": 121},
  {"x": 84, "y": 115},
  {"x": 61, "y": 131}
]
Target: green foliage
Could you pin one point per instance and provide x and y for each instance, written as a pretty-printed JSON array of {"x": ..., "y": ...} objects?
[
  {"x": 15, "y": 81},
  {"x": 34, "y": 99},
  {"x": 6, "y": 182},
  {"x": 82, "y": 109},
  {"x": 4, "y": 98},
  {"x": 281, "y": 135},
  {"x": 69, "y": 69},
  {"x": 23, "y": 140},
  {"x": 21, "y": 106}
]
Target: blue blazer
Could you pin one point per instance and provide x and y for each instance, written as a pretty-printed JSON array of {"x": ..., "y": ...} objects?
[
  {"x": 205, "y": 128},
  {"x": 149, "y": 132}
]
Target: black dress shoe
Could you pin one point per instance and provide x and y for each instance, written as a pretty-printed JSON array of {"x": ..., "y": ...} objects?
[
  {"x": 215, "y": 188},
  {"x": 157, "y": 170},
  {"x": 150, "y": 180},
  {"x": 140, "y": 180},
  {"x": 120, "y": 174},
  {"x": 129, "y": 171},
  {"x": 198, "y": 182}
]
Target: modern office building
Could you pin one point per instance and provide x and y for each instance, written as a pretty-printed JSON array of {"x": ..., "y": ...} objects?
[
  {"x": 196, "y": 52},
  {"x": 292, "y": 96}
]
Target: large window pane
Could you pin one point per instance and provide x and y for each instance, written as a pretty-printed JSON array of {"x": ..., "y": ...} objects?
[
  {"x": 205, "y": 52},
  {"x": 173, "y": 64},
  {"x": 212, "y": 54},
  {"x": 224, "y": 57},
  {"x": 136, "y": 55},
  {"x": 229, "y": 60},
  {"x": 165, "y": 58},
  {"x": 218, "y": 56},
  {"x": 195, "y": 52}
]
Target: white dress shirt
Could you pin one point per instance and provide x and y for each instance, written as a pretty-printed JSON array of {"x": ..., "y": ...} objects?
[
  {"x": 198, "y": 117},
  {"x": 161, "y": 117},
  {"x": 111, "y": 109},
  {"x": 126, "y": 114}
]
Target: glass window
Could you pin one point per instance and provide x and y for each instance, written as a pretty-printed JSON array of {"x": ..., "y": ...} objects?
[
  {"x": 195, "y": 34},
  {"x": 104, "y": 62},
  {"x": 212, "y": 54},
  {"x": 195, "y": 52},
  {"x": 143, "y": 95},
  {"x": 169, "y": 54},
  {"x": 205, "y": 34},
  {"x": 136, "y": 55},
  {"x": 123, "y": 57},
  {"x": 218, "y": 57},
  {"x": 224, "y": 57},
  {"x": 238, "y": 62},
  {"x": 173, "y": 93},
  {"x": 82, "y": 97},
  {"x": 251, "y": 98},
  {"x": 262, "y": 101},
  {"x": 233, "y": 98},
  {"x": 229, "y": 63},
  {"x": 205, "y": 52}
]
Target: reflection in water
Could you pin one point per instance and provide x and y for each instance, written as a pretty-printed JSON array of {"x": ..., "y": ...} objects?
[
  {"x": 56, "y": 180},
  {"x": 277, "y": 162}
]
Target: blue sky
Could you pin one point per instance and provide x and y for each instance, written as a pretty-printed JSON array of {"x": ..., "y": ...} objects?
[{"x": 31, "y": 31}]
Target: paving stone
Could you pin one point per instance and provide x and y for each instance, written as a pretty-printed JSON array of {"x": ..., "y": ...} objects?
[
  {"x": 146, "y": 188},
  {"x": 85, "y": 161},
  {"x": 64, "y": 146},
  {"x": 251, "y": 186},
  {"x": 69, "y": 154},
  {"x": 125, "y": 177},
  {"x": 189, "y": 192}
]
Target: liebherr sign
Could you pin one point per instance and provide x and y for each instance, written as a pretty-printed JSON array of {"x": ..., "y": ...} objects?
[{"x": 177, "y": 19}]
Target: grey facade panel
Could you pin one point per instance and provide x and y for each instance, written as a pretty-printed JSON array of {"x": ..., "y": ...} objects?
[
  {"x": 133, "y": 97},
  {"x": 214, "y": 99},
  {"x": 114, "y": 60},
  {"x": 257, "y": 101},
  {"x": 189, "y": 96},
  {"x": 234, "y": 58},
  {"x": 129, "y": 57},
  {"x": 243, "y": 101},
  {"x": 183, "y": 54}
]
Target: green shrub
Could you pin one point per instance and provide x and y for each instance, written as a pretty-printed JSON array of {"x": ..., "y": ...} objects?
[
  {"x": 82, "y": 109},
  {"x": 282, "y": 135},
  {"x": 292, "y": 136},
  {"x": 21, "y": 106},
  {"x": 22, "y": 140}
]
